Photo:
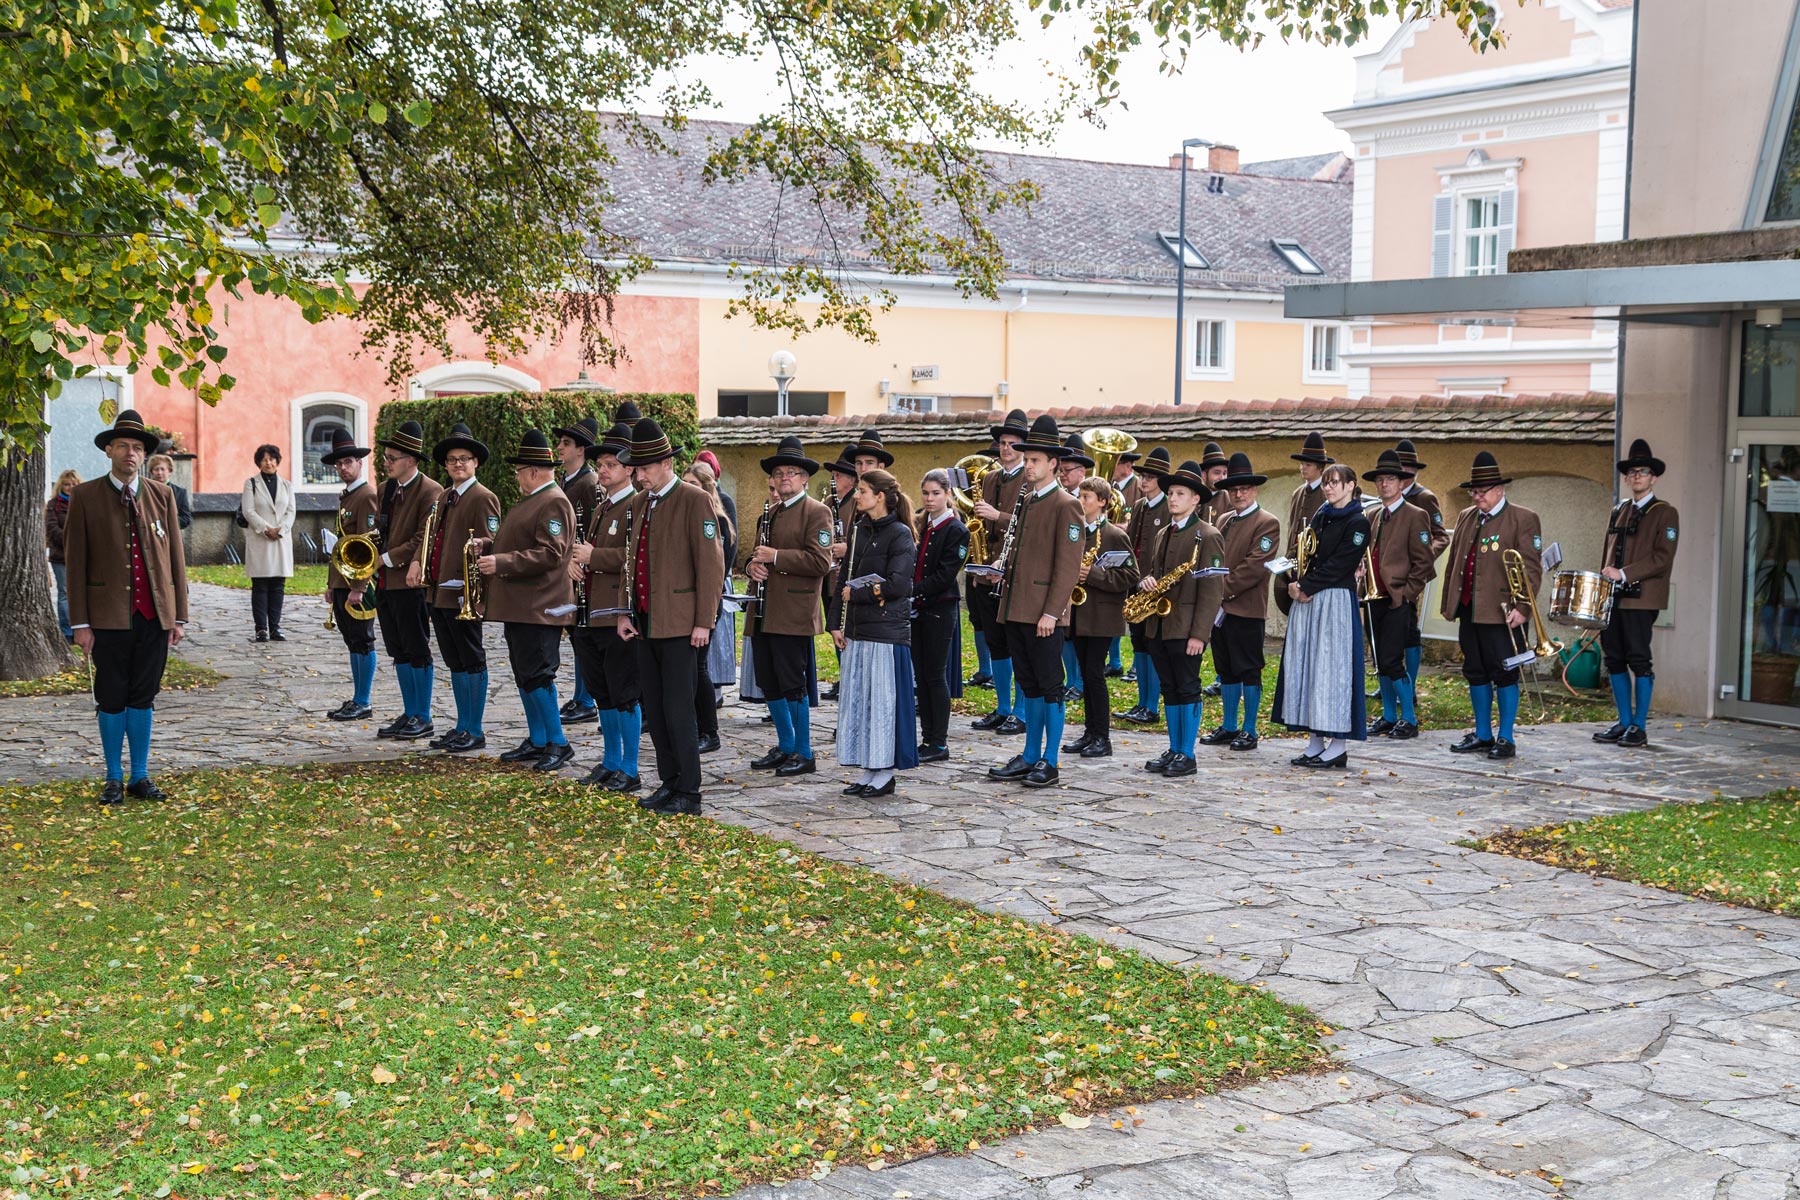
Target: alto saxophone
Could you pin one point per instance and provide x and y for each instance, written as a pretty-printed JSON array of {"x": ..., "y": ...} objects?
[
  {"x": 1154, "y": 601},
  {"x": 1078, "y": 597}
]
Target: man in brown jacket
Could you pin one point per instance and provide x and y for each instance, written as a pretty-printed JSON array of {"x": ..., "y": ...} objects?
[
  {"x": 574, "y": 450},
  {"x": 356, "y": 514},
  {"x": 1039, "y": 562},
  {"x": 1000, "y": 495},
  {"x": 525, "y": 572},
  {"x": 1149, "y": 516},
  {"x": 1193, "y": 551},
  {"x": 1639, "y": 554},
  {"x": 606, "y": 662},
  {"x": 792, "y": 553},
  {"x": 128, "y": 600},
  {"x": 1214, "y": 467},
  {"x": 1420, "y": 496},
  {"x": 1477, "y": 598},
  {"x": 1250, "y": 535},
  {"x": 1400, "y": 537},
  {"x": 674, "y": 576},
  {"x": 406, "y": 500},
  {"x": 466, "y": 511},
  {"x": 1099, "y": 620}
]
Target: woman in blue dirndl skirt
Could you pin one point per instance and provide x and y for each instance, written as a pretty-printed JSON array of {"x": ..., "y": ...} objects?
[{"x": 877, "y": 721}]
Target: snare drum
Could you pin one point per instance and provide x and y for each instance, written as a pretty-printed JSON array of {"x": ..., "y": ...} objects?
[{"x": 1583, "y": 599}]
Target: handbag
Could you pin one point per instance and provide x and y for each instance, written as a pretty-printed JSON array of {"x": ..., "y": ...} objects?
[{"x": 243, "y": 522}]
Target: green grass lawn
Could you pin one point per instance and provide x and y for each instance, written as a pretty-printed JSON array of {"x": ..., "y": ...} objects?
[
  {"x": 178, "y": 676},
  {"x": 1736, "y": 851},
  {"x": 308, "y": 578},
  {"x": 436, "y": 977}
]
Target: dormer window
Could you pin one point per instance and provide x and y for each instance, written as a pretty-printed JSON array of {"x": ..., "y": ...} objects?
[
  {"x": 1192, "y": 259},
  {"x": 1296, "y": 256}
]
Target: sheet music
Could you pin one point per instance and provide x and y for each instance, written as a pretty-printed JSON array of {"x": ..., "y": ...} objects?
[
  {"x": 1208, "y": 573},
  {"x": 1553, "y": 556},
  {"x": 866, "y": 581},
  {"x": 1112, "y": 558},
  {"x": 561, "y": 610},
  {"x": 984, "y": 570},
  {"x": 330, "y": 539},
  {"x": 1278, "y": 565},
  {"x": 449, "y": 583},
  {"x": 608, "y": 612}
]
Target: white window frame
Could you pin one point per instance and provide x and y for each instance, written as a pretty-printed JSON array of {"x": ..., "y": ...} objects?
[
  {"x": 359, "y": 409},
  {"x": 1296, "y": 256},
  {"x": 1309, "y": 372},
  {"x": 1168, "y": 240},
  {"x": 1227, "y": 340},
  {"x": 471, "y": 376},
  {"x": 1489, "y": 234}
]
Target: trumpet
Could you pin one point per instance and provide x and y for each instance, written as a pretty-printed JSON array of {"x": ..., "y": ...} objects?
[
  {"x": 1154, "y": 601},
  {"x": 1078, "y": 597},
  {"x": 977, "y": 467},
  {"x": 425, "y": 535},
  {"x": 471, "y": 597},
  {"x": 1519, "y": 596},
  {"x": 1371, "y": 588}
]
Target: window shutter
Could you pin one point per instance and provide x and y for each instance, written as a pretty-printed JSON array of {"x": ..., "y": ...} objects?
[
  {"x": 1443, "y": 232},
  {"x": 1503, "y": 240}
]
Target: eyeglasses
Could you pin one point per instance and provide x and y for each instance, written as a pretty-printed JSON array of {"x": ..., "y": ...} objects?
[
  {"x": 393, "y": 457},
  {"x": 1639, "y": 473},
  {"x": 459, "y": 460}
]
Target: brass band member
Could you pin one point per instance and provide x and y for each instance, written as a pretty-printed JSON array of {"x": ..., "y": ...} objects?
[
  {"x": 984, "y": 661},
  {"x": 1476, "y": 597},
  {"x": 1099, "y": 620},
  {"x": 1402, "y": 555},
  {"x": 943, "y": 552},
  {"x": 1214, "y": 466},
  {"x": 1187, "y": 545},
  {"x": 356, "y": 514},
  {"x": 876, "y": 719},
  {"x": 1251, "y": 534},
  {"x": 574, "y": 444},
  {"x": 1040, "y": 558},
  {"x": 1319, "y": 690},
  {"x": 1305, "y": 501},
  {"x": 1000, "y": 492},
  {"x": 1639, "y": 554},
  {"x": 400, "y": 608},
  {"x": 843, "y": 513},
  {"x": 1130, "y": 489},
  {"x": 671, "y": 562},
  {"x": 1420, "y": 496},
  {"x": 466, "y": 510},
  {"x": 526, "y": 585},
  {"x": 1073, "y": 468},
  {"x": 1148, "y": 519},
  {"x": 128, "y": 596},
  {"x": 792, "y": 555},
  {"x": 606, "y": 662}
]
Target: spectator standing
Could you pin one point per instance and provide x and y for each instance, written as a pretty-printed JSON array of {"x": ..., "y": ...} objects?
[
  {"x": 268, "y": 508},
  {"x": 161, "y": 468},
  {"x": 56, "y": 519}
]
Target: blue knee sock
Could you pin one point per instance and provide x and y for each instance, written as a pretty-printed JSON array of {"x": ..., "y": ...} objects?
[
  {"x": 1403, "y": 693},
  {"x": 1114, "y": 661},
  {"x": 1414, "y": 656},
  {"x": 423, "y": 680},
  {"x": 362, "y": 676},
  {"x": 459, "y": 692},
  {"x": 801, "y": 716},
  {"x": 984, "y": 665},
  {"x": 1232, "y": 694},
  {"x": 112, "y": 744},
  {"x": 1190, "y": 728},
  {"x": 1052, "y": 720},
  {"x": 1386, "y": 687},
  {"x": 1509, "y": 708},
  {"x": 609, "y": 723},
  {"x": 1621, "y": 690},
  {"x": 1149, "y": 686},
  {"x": 1481, "y": 699},
  {"x": 549, "y": 712},
  {"x": 581, "y": 693},
  {"x": 1640, "y": 709},
  {"x": 1031, "y": 711},
  {"x": 534, "y": 722},
  {"x": 783, "y": 717},
  {"x": 1071, "y": 664},
  {"x": 1252, "y": 706},
  {"x": 631, "y": 732},
  {"x": 478, "y": 696},
  {"x": 403, "y": 676},
  {"x": 137, "y": 732},
  {"x": 1003, "y": 687}
]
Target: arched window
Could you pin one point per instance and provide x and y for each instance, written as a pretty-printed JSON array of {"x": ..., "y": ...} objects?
[
  {"x": 317, "y": 419},
  {"x": 469, "y": 378}
]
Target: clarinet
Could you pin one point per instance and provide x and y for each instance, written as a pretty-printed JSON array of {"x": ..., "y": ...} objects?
[
  {"x": 759, "y": 588},
  {"x": 581, "y": 583},
  {"x": 1006, "y": 544}
]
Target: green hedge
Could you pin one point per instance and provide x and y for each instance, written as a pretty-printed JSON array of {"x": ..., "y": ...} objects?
[{"x": 501, "y": 419}]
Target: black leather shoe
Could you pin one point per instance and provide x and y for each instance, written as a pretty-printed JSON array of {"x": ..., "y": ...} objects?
[
  {"x": 275, "y": 635},
  {"x": 467, "y": 742},
  {"x": 1098, "y": 748},
  {"x": 414, "y": 731},
  {"x": 650, "y": 802},
  {"x": 769, "y": 761},
  {"x": 113, "y": 792},
  {"x": 1115, "y": 672},
  {"x": 1635, "y": 736},
  {"x": 932, "y": 754},
  {"x": 555, "y": 755},
  {"x": 993, "y": 720},
  {"x": 262, "y": 635},
  {"x": 1042, "y": 775},
  {"x": 1129, "y": 676},
  {"x": 1014, "y": 768},
  {"x": 1403, "y": 731},
  {"x": 886, "y": 789},
  {"x": 575, "y": 714},
  {"x": 796, "y": 764},
  {"x": 392, "y": 727},
  {"x": 1078, "y": 745},
  {"x": 1180, "y": 765},
  {"x": 1380, "y": 726},
  {"x": 1219, "y": 737},
  {"x": 1211, "y": 689},
  {"x": 144, "y": 789},
  {"x": 523, "y": 752},
  {"x": 1303, "y": 760},
  {"x": 1502, "y": 748},
  {"x": 1138, "y": 716},
  {"x": 625, "y": 783},
  {"x": 443, "y": 743},
  {"x": 678, "y": 806},
  {"x": 350, "y": 710},
  {"x": 855, "y": 789},
  {"x": 1329, "y": 764},
  {"x": 1471, "y": 744},
  {"x": 831, "y": 693},
  {"x": 1244, "y": 741},
  {"x": 1160, "y": 763},
  {"x": 980, "y": 679},
  {"x": 709, "y": 743},
  {"x": 1611, "y": 735},
  {"x": 599, "y": 776},
  {"x": 1011, "y": 725},
  {"x": 1072, "y": 694}
]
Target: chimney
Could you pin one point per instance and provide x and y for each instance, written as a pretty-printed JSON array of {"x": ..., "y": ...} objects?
[
  {"x": 1175, "y": 161},
  {"x": 1223, "y": 159}
]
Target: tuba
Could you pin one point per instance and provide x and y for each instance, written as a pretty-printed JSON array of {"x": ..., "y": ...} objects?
[
  {"x": 355, "y": 558},
  {"x": 1106, "y": 446},
  {"x": 977, "y": 467}
]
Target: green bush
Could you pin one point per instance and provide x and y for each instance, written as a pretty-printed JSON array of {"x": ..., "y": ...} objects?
[{"x": 501, "y": 419}]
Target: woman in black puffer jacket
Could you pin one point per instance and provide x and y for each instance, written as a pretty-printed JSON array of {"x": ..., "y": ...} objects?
[{"x": 877, "y": 719}]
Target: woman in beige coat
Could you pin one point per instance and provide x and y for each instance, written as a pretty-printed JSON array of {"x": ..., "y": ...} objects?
[{"x": 268, "y": 513}]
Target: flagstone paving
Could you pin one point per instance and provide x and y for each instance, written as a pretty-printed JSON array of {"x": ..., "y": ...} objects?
[{"x": 1504, "y": 1029}]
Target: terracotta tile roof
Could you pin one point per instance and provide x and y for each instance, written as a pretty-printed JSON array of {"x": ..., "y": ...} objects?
[
  {"x": 1574, "y": 418},
  {"x": 1095, "y": 222}
]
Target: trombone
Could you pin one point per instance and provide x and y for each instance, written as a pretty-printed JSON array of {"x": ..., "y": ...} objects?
[{"x": 1519, "y": 597}]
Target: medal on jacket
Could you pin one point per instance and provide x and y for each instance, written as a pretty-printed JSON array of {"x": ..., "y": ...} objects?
[{"x": 156, "y": 524}]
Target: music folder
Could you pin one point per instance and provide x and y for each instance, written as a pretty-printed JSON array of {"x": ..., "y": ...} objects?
[{"x": 983, "y": 570}]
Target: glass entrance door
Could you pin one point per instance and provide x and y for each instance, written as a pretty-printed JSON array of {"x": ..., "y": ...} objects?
[{"x": 1768, "y": 666}]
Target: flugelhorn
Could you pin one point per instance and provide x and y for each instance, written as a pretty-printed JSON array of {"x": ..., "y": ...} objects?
[{"x": 471, "y": 597}]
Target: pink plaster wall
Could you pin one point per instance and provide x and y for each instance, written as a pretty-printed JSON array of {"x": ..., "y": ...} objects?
[{"x": 1534, "y": 33}]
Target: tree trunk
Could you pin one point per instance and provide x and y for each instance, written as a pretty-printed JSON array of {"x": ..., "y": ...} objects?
[{"x": 31, "y": 646}]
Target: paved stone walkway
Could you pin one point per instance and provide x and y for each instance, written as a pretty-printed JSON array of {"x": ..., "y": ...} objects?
[{"x": 1505, "y": 1029}]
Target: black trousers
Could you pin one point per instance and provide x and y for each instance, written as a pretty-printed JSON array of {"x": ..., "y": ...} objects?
[
  {"x": 1037, "y": 661},
  {"x": 358, "y": 635},
  {"x": 1176, "y": 670},
  {"x": 608, "y": 666},
  {"x": 128, "y": 665},
  {"x": 1091, "y": 652},
  {"x": 706, "y": 706},
  {"x": 459, "y": 641},
  {"x": 535, "y": 652},
  {"x": 1625, "y": 642},
  {"x": 665, "y": 669},
  {"x": 1237, "y": 649},
  {"x": 782, "y": 660},
  {"x": 405, "y": 631},
  {"x": 1486, "y": 645},
  {"x": 933, "y": 632},
  {"x": 266, "y": 596},
  {"x": 984, "y": 615},
  {"x": 1395, "y": 626}
]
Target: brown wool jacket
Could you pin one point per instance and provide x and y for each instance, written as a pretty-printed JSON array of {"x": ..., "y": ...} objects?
[
  {"x": 476, "y": 514},
  {"x": 531, "y": 552},
  {"x": 1648, "y": 553},
  {"x": 1046, "y": 557},
  {"x": 687, "y": 563},
  {"x": 1003, "y": 494},
  {"x": 606, "y": 532},
  {"x": 1423, "y": 497},
  {"x": 800, "y": 531},
  {"x": 356, "y": 514},
  {"x": 1104, "y": 613},
  {"x": 1402, "y": 549},
  {"x": 97, "y": 554},
  {"x": 1250, "y": 541},
  {"x": 1512, "y": 528},
  {"x": 583, "y": 491},
  {"x": 1196, "y": 601},
  {"x": 401, "y": 521}
]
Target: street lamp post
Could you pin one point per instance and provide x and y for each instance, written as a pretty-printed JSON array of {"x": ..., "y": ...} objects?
[
  {"x": 782, "y": 369},
  {"x": 1181, "y": 267}
]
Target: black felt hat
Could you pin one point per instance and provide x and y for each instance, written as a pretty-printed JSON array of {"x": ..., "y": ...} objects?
[
  {"x": 1130, "y": 456},
  {"x": 460, "y": 439},
  {"x": 1313, "y": 451},
  {"x": 616, "y": 442},
  {"x": 1014, "y": 424},
  {"x": 1075, "y": 451},
  {"x": 1213, "y": 455},
  {"x": 1043, "y": 436},
  {"x": 1240, "y": 473},
  {"x": 1156, "y": 464},
  {"x": 408, "y": 439},
  {"x": 1408, "y": 454},
  {"x": 790, "y": 453},
  {"x": 1188, "y": 475},
  {"x": 1485, "y": 473},
  {"x": 1389, "y": 463},
  {"x": 870, "y": 443},
  {"x": 534, "y": 451},
  {"x": 584, "y": 433},
  {"x": 649, "y": 444},
  {"x": 129, "y": 425},
  {"x": 1640, "y": 456},
  {"x": 845, "y": 464},
  {"x": 629, "y": 413},
  {"x": 343, "y": 445}
]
